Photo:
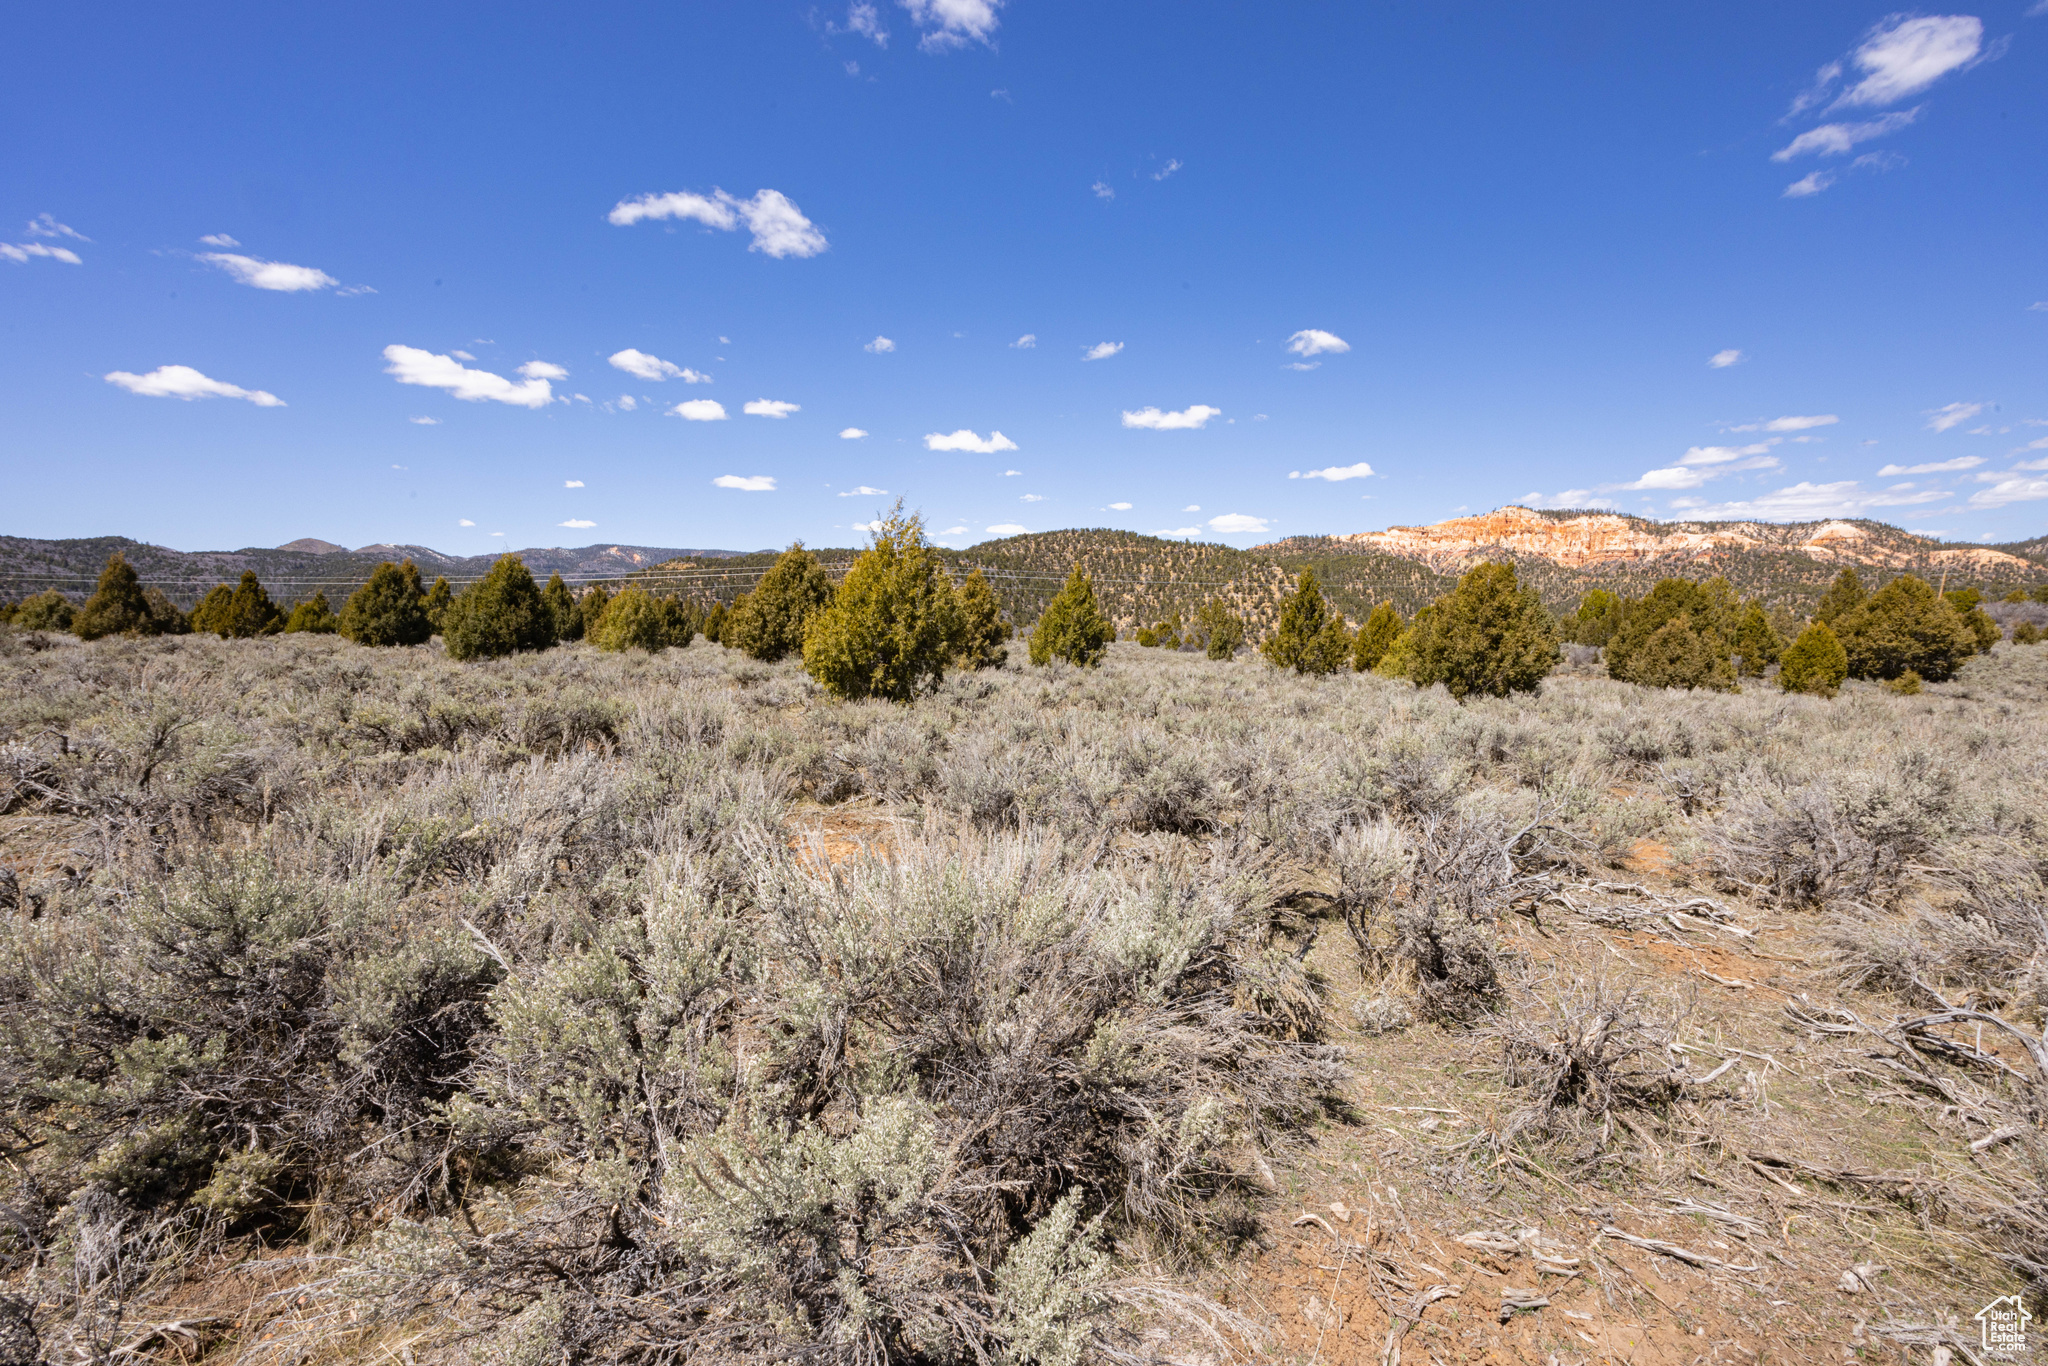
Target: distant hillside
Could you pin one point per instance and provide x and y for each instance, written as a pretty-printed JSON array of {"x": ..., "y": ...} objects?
[
  {"x": 293, "y": 571},
  {"x": 1563, "y": 554}
]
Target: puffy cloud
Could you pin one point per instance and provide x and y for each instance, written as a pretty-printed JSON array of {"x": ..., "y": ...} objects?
[
  {"x": 424, "y": 421},
  {"x": 572, "y": 483},
  {"x": 747, "y": 483},
  {"x": 464, "y": 522},
  {"x": 2041, "y": 464},
  {"x": 1030, "y": 339},
  {"x": 866, "y": 20},
  {"x": 1196, "y": 416},
  {"x": 1951, "y": 415},
  {"x": 1006, "y": 529},
  {"x": 1168, "y": 169},
  {"x": 779, "y": 227},
  {"x": 954, "y": 531},
  {"x": 965, "y": 440},
  {"x": 1103, "y": 190},
  {"x": 43, "y": 225},
  {"x": 540, "y": 369},
  {"x": 1723, "y": 455},
  {"x": 1335, "y": 473},
  {"x": 1721, "y": 360},
  {"x": 1961, "y": 462},
  {"x": 879, "y": 346},
  {"x": 1032, "y": 498},
  {"x": 1180, "y": 532},
  {"x": 769, "y": 407},
  {"x": 627, "y": 403},
  {"x": 953, "y": 23},
  {"x": 851, "y": 434},
  {"x": 20, "y": 254},
  {"x": 1119, "y": 507},
  {"x": 1789, "y": 424},
  {"x": 1808, "y": 185},
  {"x": 277, "y": 275},
  {"x": 640, "y": 365},
  {"x": 2010, "y": 490},
  {"x": 1192, "y": 507},
  {"x": 1238, "y": 524},
  {"x": 1805, "y": 502},
  {"x": 1903, "y": 56},
  {"x": 1313, "y": 341},
  {"x": 1103, "y": 350},
  {"x": 865, "y": 492},
  {"x": 410, "y": 365},
  {"x": 182, "y": 381},
  {"x": 700, "y": 410},
  {"x": 577, "y": 522},
  {"x": 1833, "y": 139}
]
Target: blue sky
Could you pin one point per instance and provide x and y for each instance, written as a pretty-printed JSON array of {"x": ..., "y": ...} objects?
[{"x": 474, "y": 277}]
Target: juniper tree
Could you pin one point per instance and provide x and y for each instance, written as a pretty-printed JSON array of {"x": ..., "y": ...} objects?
[
  {"x": 1815, "y": 663},
  {"x": 1598, "y": 618},
  {"x": 1304, "y": 641},
  {"x": 1844, "y": 596},
  {"x": 1072, "y": 626},
  {"x": 714, "y": 623},
  {"x": 117, "y": 605},
  {"x": 1757, "y": 641},
  {"x": 1376, "y": 637},
  {"x": 1670, "y": 612},
  {"x": 590, "y": 607},
  {"x": 561, "y": 602},
  {"x": 389, "y": 609},
  {"x": 210, "y": 615},
  {"x": 46, "y": 611},
  {"x": 1489, "y": 635},
  {"x": 164, "y": 617},
  {"x": 1905, "y": 626},
  {"x": 1222, "y": 630},
  {"x": 979, "y": 624},
  {"x": 312, "y": 615},
  {"x": 437, "y": 600},
  {"x": 637, "y": 620},
  {"x": 768, "y": 623},
  {"x": 498, "y": 614},
  {"x": 894, "y": 621},
  {"x": 1678, "y": 655},
  {"x": 239, "y": 612}
]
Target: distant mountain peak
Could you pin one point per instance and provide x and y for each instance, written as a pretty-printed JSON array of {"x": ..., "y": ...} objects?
[{"x": 313, "y": 545}]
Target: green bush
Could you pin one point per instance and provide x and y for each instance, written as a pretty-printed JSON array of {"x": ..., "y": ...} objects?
[
  {"x": 1844, "y": 596},
  {"x": 436, "y": 604},
  {"x": 314, "y": 616},
  {"x": 1147, "y": 637},
  {"x": 1598, "y": 618},
  {"x": 164, "y": 616},
  {"x": 1757, "y": 642},
  {"x": 1488, "y": 635},
  {"x": 498, "y": 614},
  {"x": 768, "y": 623},
  {"x": 891, "y": 627},
  {"x": 1376, "y": 637},
  {"x": 1221, "y": 630},
  {"x": 238, "y": 613},
  {"x": 1905, "y": 626},
  {"x": 117, "y": 607},
  {"x": 1693, "y": 626},
  {"x": 46, "y": 611},
  {"x": 1815, "y": 663},
  {"x": 1072, "y": 627},
  {"x": 1982, "y": 629},
  {"x": 561, "y": 602},
  {"x": 714, "y": 623},
  {"x": 637, "y": 620},
  {"x": 1679, "y": 656},
  {"x": 1310, "y": 638},
  {"x": 2026, "y": 633},
  {"x": 390, "y": 609},
  {"x": 979, "y": 626}
]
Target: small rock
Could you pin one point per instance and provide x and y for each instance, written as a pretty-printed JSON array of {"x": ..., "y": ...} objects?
[{"x": 1341, "y": 1210}]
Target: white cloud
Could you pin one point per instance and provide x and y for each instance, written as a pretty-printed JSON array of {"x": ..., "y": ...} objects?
[
  {"x": 1180, "y": 532},
  {"x": 1238, "y": 524},
  {"x": 1033, "y": 498},
  {"x": 1335, "y": 473},
  {"x": 1313, "y": 341},
  {"x": 1168, "y": 169},
  {"x": 1007, "y": 474},
  {"x": 965, "y": 440},
  {"x": 1025, "y": 342},
  {"x": 1006, "y": 529},
  {"x": 747, "y": 483},
  {"x": 769, "y": 407},
  {"x": 1119, "y": 507},
  {"x": 572, "y": 483},
  {"x": 277, "y": 275},
  {"x": 1191, "y": 417},
  {"x": 851, "y": 434},
  {"x": 1951, "y": 415},
  {"x": 1103, "y": 190},
  {"x": 219, "y": 239},
  {"x": 627, "y": 403},
  {"x": 1833, "y": 139},
  {"x": 462, "y": 355},
  {"x": 2010, "y": 491},
  {"x": 465, "y": 522},
  {"x": 43, "y": 225},
  {"x": 1722, "y": 455},
  {"x": 954, "y": 531},
  {"x": 497, "y": 533},
  {"x": 1789, "y": 424},
  {"x": 1103, "y": 350},
  {"x": 700, "y": 410},
  {"x": 540, "y": 369},
  {"x": 779, "y": 227},
  {"x": 182, "y": 381},
  {"x": 1721, "y": 360},
  {"x": 1303, "y": 365},
  {"x": 880, "y": 346},
  {"x": 1964, "y": 462},
  {"x": 424, "y": 421},
  {"x": 19, "y": 254},
  {"x": 398, "y": 467},
  {"x": 577, "y": 522},
  {"x": 410, "y": 365},
  {"x": 953, "y": 23},
  {"x": 866, "y": 20},
  {"x": 865, "y": 492},
  {"x": 1808, "y": 185},
  {"x": 2041, "y": 464},
  {"x": 640, "y": 365},
  {"x": 1904, "y": 56},
  {"x": 1804, "y": 502},
  {"x": 1192, "y": 507},
  {"x": 1570, "y": 498}
]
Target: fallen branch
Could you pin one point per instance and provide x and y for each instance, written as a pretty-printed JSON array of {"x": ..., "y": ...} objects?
[{"x": 1683, "y": 1254}]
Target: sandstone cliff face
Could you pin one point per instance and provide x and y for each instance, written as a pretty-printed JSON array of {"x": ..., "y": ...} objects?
[{"x": 1596, "y": 539}]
